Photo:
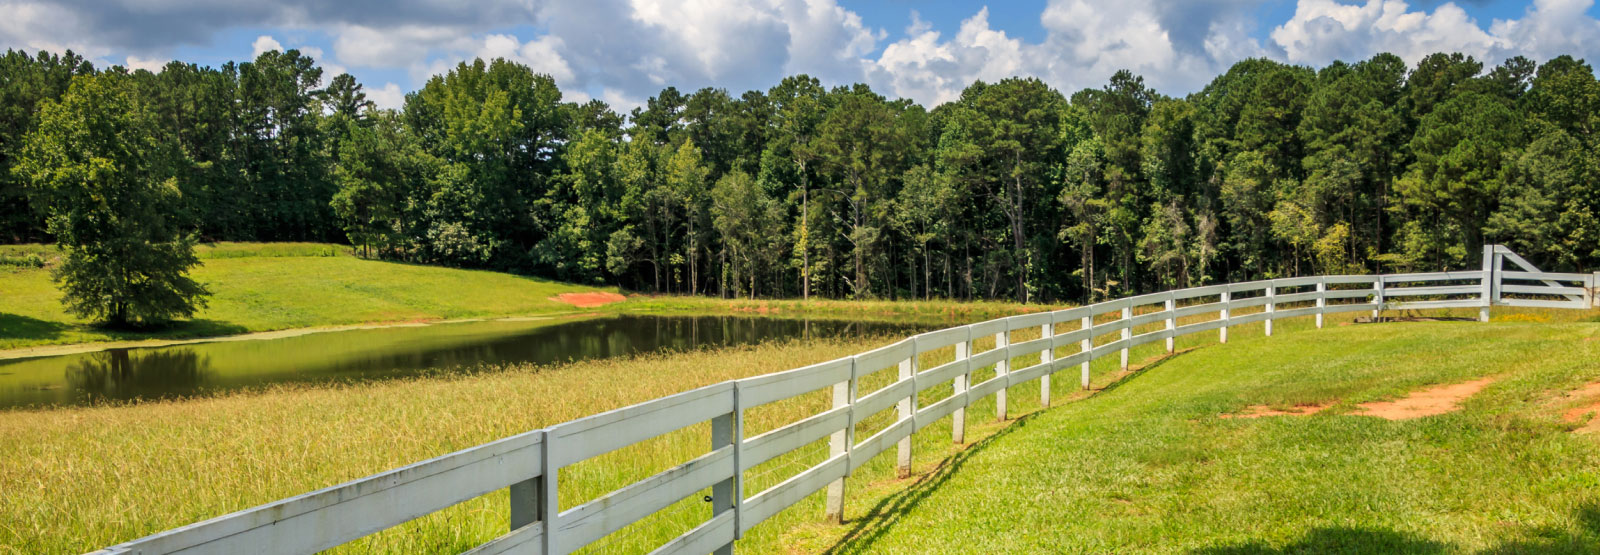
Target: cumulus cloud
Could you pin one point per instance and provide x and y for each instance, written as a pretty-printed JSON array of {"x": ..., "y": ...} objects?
[
  {"x": 1323, "y": 30},
  {"x": 1085, "y": 43},
  {"x": 153, "y": 65},
  {"x": 623, "y": 51},
  {"x": 389, "y": 96},
  {"x": 263, "y": 44}
]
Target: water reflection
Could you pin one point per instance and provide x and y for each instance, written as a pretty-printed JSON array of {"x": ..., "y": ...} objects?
[
  {"x": 388, "y": 353},
  {"x": 128, "y": 374}
]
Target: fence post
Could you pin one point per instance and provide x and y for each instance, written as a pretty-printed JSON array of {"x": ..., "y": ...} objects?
[
  {"x": 1594, "y": 291},
  {"x": 1272, "y": 291},
  {"x": 1222, "y": 334},
  {"x": 1322, "y": 299},
  {"x": 527, "y": 496},
  {"x": 724, "y": 434},
  {"x": 1045, "y": 356},
  {"x": 840, "y": 443},
  {"x": 1086, "y": 345},
  {"x": 958, "y": 420},
  {"x": 907, "y": 410},
  {"x": 1489, "y": 278},
  {"x": 1127, "y": 333},
  {"x": 1001, "y": 340},
  {"x": 549, "y": 493},
  {"x": 1172, "y": 323},
  {"x": 1378, "y": 287}
]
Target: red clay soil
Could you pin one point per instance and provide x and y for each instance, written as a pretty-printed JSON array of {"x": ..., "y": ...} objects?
[
  {"x": 1428, "y": 402},
  {"x": 1590, "y": 409},
  {"x": 1258, "y": 411},
  {"x": 589, "y": 300}
]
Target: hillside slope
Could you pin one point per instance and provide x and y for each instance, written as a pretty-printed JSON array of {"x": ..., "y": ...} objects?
[
  {"x": 261, "y": 287},
  {"x": 1150, "y": 464}
]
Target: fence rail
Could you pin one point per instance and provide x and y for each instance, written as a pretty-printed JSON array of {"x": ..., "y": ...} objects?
[{"x": 528, "y": 464}]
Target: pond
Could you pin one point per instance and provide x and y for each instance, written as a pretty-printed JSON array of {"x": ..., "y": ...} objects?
[{"x": 355, "y": 355}]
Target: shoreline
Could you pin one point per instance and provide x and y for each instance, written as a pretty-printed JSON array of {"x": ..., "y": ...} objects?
[{"x": 80, "y": 348}]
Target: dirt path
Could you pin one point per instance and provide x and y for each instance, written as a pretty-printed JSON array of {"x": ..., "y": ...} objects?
[
  {"x": 589, "y": 300},
  {"x": 1590, "y": 409},
  {"x": 1258, "y": 411},
  {"x": 1427, "y": 402}
]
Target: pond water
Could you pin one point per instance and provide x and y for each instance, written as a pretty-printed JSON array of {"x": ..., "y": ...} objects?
[{"x": 208, "y": 368}]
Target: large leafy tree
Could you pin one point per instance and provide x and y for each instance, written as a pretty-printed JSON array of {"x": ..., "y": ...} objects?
[
  {"x": 497, "y": 128},
  {"x": 98, "y": 163}
]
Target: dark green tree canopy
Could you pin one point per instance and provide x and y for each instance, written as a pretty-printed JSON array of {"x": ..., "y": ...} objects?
[{"x": 1013, "y": 190}]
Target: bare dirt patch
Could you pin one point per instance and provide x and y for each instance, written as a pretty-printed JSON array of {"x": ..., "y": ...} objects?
[
  {"x": 1428, "y": 402},
  {"x": 1258, "y": 411},
  {"x": 589, "y": 300},
  {"x": 1588, "y": 411}
]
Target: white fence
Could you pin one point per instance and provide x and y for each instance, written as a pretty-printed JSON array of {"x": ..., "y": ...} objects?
[{"x": 528, "y": 463}]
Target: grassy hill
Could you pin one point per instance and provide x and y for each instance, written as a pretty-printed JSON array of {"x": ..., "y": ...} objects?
[
  {"x": 1150, "y": 464},
  {"x": 274, "y": 286}
]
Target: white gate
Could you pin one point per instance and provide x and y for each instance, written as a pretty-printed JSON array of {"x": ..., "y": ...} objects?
[{"x": 1527, "y": 286}]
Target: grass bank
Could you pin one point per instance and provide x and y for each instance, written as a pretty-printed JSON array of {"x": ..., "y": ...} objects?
[
  {"x": 1150, "y": 466},
  {"x": 277, "y": 286}
]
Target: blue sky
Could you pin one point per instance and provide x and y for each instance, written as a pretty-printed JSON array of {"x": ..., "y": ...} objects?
[{"x": 624, "y": 51}]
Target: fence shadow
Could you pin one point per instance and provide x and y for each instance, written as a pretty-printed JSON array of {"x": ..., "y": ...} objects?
[
  {"x": 1141, "y": 370},
  {"x": 867, "y": 529}
]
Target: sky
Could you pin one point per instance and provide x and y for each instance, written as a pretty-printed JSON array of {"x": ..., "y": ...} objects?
[{"x": 625, "y": 51}]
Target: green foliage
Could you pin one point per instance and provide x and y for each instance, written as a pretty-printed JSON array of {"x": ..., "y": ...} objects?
[
  {"x": 97, "y": 163},
  {"x": 1013, "y": 190}
]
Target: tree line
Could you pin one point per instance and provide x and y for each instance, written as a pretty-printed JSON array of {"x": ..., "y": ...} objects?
[{"x": 1013, "y": 191}]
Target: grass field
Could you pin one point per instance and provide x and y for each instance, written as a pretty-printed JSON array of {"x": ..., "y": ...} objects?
[
  {"x": 275, "y": 286},
  {"x": 1143, "y": 464},
  {"x": 1149, "y": 466}
]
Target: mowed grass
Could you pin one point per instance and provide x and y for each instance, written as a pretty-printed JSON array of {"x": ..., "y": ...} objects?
[
  {"x": 275, "y": 286},
  {"x": 1147, "y": 465}
]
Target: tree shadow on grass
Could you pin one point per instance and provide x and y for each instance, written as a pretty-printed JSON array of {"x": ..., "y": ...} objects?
[
  {"x": 1338, "y": 539},
  {"x": 16, "y": 326},
  {"x": 867, "y": 529},
  {"x": 1341, "y": 539}
]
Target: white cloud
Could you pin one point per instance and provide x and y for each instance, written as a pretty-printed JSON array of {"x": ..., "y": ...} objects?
[
  {"x": 623, "y": 51},
  {"x": 264, "y": 43},
  {"x": 1323, "y": 30},
  {"x": 542, "y": 55},
  {"x": 390, "y": 96},
  {"x": 1085, "y": 43},
  {"x": 931, "y": 71},
  {"x": 1550, "y": 28},
  {"x": 151, "y": 65},
  {"x": 396, "y": 47}
]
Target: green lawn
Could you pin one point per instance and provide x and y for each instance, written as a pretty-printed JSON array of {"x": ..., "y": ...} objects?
[
  {"x": 1143, "y": 464},
  {"x": 1147, "y": 465},
  {"x": 274, "y": 286}
]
